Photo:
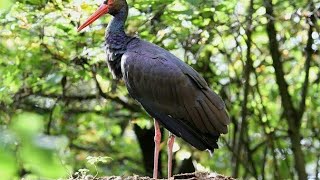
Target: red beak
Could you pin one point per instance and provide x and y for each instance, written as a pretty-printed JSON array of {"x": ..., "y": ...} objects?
[{"x": 103, "y": 9}]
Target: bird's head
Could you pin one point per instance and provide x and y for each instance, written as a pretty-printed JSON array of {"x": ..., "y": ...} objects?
[{"x": 108, "y": 6}]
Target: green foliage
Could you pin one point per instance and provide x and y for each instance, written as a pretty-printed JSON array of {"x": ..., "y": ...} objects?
[
  {"x": 61, "y": 113},
  {"x": 95, "y": 160},
  {"x": 36, "y": 152},
  {"x": 8, "y": 164},
  {"x": 5, "y": 4}
]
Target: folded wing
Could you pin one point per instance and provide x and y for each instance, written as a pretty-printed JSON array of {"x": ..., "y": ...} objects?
[{"x": 175, "y": 94}]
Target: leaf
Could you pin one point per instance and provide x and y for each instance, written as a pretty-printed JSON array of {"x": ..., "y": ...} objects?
[
  {"x": 8, "y": 164},
  {"x": 5, "y": 4},
  {"x": 39, "y": 160},
  {"x": 94, "y": 160},
  {"x": 27, "y": 124}
]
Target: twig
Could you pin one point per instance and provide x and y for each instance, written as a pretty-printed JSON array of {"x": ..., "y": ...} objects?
[
  {"x": 132, "y": 107},
  {"x": 247, "y": 72},
  {"x": 309, "y": 52}
]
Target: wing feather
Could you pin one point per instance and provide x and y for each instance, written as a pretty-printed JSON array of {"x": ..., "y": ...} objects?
[
  {"x": 212, "y": 118},
  {"x": 196, "y": 115},
  {"x": 202, "y": 119},
  {"x": 222, "y": 115},
  {"x": 175, "y": 94},
  {"x": 214, "y": 98}
]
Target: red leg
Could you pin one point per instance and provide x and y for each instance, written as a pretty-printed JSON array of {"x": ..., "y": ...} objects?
[
  {"x": 170, "y": 146},
  {"x": 157, "y": 140}
]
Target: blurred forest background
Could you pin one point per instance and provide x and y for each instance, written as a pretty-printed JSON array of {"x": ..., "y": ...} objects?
[{"x": 61, "y": 113}]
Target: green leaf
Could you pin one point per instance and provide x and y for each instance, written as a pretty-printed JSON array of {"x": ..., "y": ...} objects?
[
  {"x": 27, "y": 124},
  {"x": 8, "y": 165},
  {"x": 39, "y": 160},
  {"x": 5, "y": 4}
]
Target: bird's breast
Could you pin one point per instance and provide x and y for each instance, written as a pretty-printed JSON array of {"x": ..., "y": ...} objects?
[{"x": 114, "y": 62}]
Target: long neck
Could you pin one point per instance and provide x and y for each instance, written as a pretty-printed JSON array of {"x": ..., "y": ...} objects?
[
  {"x": 116, "y": 25},
  {"x": 116, "y": 42}
]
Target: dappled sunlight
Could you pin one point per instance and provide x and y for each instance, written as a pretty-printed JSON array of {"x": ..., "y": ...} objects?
[{"x": 62, "y": 114}]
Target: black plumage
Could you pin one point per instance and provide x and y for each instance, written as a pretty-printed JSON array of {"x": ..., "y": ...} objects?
[
  {"x": 174, "y": 93},
  {"x": 169, "y": 90}
]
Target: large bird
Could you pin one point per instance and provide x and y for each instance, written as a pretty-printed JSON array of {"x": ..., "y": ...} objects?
[{"x": 172, "y": 92}]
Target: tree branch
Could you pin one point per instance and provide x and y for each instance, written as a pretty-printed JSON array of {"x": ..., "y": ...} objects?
[
  {"x": 290, "y": 111},
  {"x": 246, "y": 74},
  {"x": 132, "y": 107},
  {"x": 308, "y": 51},
  {"x": 291, "y": 114}
]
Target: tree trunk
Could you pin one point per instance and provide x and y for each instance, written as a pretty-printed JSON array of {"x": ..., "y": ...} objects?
[
  {"x": 298, "y": 154},
  {"x": 291, "y": 114}
]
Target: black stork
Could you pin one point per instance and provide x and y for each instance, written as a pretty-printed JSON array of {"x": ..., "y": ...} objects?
[{"x": 172, "y": 92}]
